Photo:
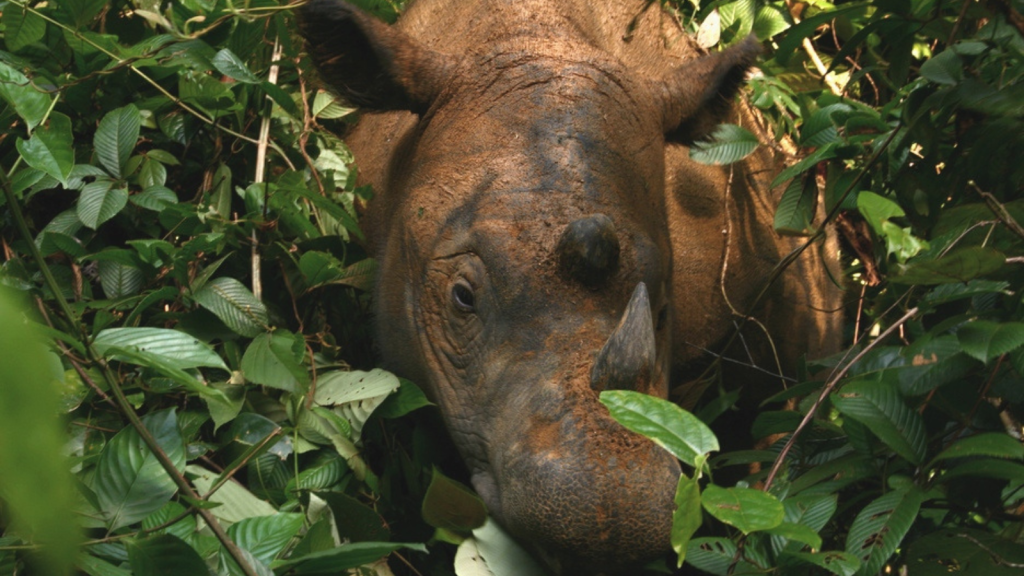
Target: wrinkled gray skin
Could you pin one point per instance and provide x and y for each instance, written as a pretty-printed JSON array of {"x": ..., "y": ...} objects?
[{"x": 543, "y": 236}]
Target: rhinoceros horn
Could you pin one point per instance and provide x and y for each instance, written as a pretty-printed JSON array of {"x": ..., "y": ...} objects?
[{"x": 627, "y": 360}]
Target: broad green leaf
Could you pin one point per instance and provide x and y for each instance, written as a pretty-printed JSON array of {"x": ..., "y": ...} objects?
[
  {"x": 119, "y": 280},
  {"x": 812, "y": 511},
  {"x": 718, "y": 556},
  {"x": 183, "y": 528},
  {"x": 820, "y": 155},
  {"x": 798, "y": 533},
  {"x": 880, "y": 527},
  {"x": 327, "y": 106},
  {"x": 687, "y": 517},
  {"x": 130, "y": 483},
  {"x": 945, "y": 68},
  {"x": 957, "y": 266},
  {"x": 356, "y": 522},
  {"x": 795, "y": 214},
  {"x": 100, "y": 202},
  {"x": 964, "y": 552},
  {"x": 266, "y": 536},
  {"x": 116, "y": 137},
  {"x": 342, "y": 558},
  {"x": 50, "y": 148},
  {"x": 355, "y": 395},
  {"x": 452, "y": 506},
  {"x": 21, "y": 27},
  {"x": 236, "y": 503},
  {"x": 877, "y": 209},
  {"x": 235, "y": 305},
  {"x": 164, "y": 555},
  {"x": 318, "y": 478},
  {"x": 503, "y": 555},
  {"x": 902, "y": 242},
  {"x": 950, "y": 292},
  {"x": 176, "y": 348},
  {"x": 986, "y": 340},
  {"x": 30, "y": 104},
  {"x": 155, "y": 198},
  {"x": 228, "y": 64},
  {"x": 35, "y": 485},
  {"x": 933, "y": 364},
  {"x": 668, "y": 425},
  {"x": 168, "y": 369},
  {"x": 820, "y": 129},
  {"x": 726, "y": 145},
  {"x": 986, "y": 468},
  {"x": 93, "y": 566},
  {"x": 770, "y": 21},
  {"x": 878, "y": 406},
  {"x": 745, "y": 508},
  {"x": 838, "y": 563},
  {"x": 275, "y": 359},
  {"x": 408, "y": 398},
  {"x": 994, "y": 444}
]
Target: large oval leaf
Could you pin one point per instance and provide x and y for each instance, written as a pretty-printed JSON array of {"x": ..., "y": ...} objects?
[
  {"x": 177, "y": 348},
  {"x": 116, "y": 137},
  {"x": 100, "y": 202},
  {"x": 668, "y": 425},
  {"x": 878, "y": 405},
  {"x": 880, "y": 527},
  {"x": 31, "y": 104},
  {"x": 130, "y": 483},
  {"x": 266, "y": 536},
  {"x": 748, "y": 509},
  {"x": 164, "y": 555},
  {"x": 49, "y": 148},
  {"x": 235, "y": 305}
]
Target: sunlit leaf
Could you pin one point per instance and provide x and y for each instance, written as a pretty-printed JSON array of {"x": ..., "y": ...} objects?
[
  {"x": 49, "y": 149},
  {"x": 668, "y": 425},
  {"x": 177, "y": 348},
  {"x": 29, "y": 102},
  {"x": 235, "y": 305},
  {"x": 748, "y": 509},
  {"x": 727, "y": 144},
  {"x": 687, "y": 517}
]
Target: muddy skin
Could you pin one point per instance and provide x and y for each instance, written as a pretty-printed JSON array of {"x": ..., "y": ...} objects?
[{"x": 543, "y": 236}]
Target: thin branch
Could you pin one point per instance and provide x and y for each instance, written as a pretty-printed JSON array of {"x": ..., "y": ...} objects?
[{"x": 829, "y": 387}]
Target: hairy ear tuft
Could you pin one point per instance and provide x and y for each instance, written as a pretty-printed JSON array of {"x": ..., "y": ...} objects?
[
  {"x": 369, "y": 63},
  {"x": 698, "y": 94}
]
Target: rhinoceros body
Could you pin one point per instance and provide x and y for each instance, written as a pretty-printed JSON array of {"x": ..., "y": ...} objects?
[{"x": 542, "y": 235}]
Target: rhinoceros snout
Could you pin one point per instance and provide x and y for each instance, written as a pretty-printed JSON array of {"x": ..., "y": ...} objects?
[{"x": 628, "y": 359}]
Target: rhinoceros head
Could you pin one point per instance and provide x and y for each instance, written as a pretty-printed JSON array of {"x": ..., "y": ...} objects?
[{"x": 525, "y": 261}]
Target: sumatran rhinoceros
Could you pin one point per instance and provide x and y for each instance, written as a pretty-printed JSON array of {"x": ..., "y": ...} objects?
[{"x": 542, "y": 235}]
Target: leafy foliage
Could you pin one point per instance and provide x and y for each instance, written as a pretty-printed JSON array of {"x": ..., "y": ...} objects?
[{"x": 179, "y": 219}]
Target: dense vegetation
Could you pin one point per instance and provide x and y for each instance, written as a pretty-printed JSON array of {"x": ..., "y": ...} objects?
[{"x": 181, "y": 280}]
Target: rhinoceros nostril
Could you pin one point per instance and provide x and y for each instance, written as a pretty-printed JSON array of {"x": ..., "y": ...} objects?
[{"x": 588, "y": 249}]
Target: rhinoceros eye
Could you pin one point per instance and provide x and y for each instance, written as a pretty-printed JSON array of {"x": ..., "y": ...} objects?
[{"x": 462, "y": 296}]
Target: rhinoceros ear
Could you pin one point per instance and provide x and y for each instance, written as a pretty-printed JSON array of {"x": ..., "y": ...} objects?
[
  {"x": 698, "y": 94},
  {"x": 368, "y": 62}
]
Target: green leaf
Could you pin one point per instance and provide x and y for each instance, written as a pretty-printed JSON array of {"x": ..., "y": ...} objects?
[
  {"x": 745, "y": 508},
  {"x": 902, "y": 242},
  {"x": 687, "y": 517},
  {"x": 880, "y": 527},
  {"x": 116, "y": 137},
  {"x": 356, "y": 521},
  {"x": 878, "y": 406},
  {"x": 795, "y": 214},
  {"x": 342, "y": 558},
  {"x": 100, "y": 202},
  {"x": 726, "y": 145},
  {"x": 770, "y": 21},
  {"x": 119, "y": 280},
  {"x": 37, "y": 490},
  {"x": 355, "y": 395},
  {"x": 177, "y": 348},
  {"x": 155, "y": 198},
  {"x": 951, "y": 292},
  {"x": 452, "y": 506},
  {"x": 986, "y": 468},
  {"x": 503, "y": 555},
  {"x": 668, "y": 425},
  {"x": 820, "y": 155},
  {"x": 30, "y": 104},
  {"x": 164, "y": 555},
  {"x": 964, "y": 552},
  {"x": 986, "y": 340},
  {"x": 798, "y": 533},
  {"x": 839, "y": 563},
  {"x": 49, "y": 148},
  {"x": 266, "y": 536},
  {"x": 994, "y": 444},
  {"x": 957, "y": 266},
  {"x": 408, "y": 398},
  {"x": 130, "y": 483},
  {"x": 944, "y": 68},
  {"x": 235, "y": 305},
  {"x": 228, "y": 64},
  {"x": 21, "y": 27},
  {"x": 275, "y": 359},
  {"x": 877, "y": 209},
  {"x": 168, "y": 369},
  {"x": 718, "y": 556},
  {"x": 236, "y": 503}
]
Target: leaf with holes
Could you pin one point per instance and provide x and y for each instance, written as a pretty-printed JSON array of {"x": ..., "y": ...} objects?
[
  {"x": 235, "y": 305},
  {"x": 116, "y": 137},
  {"x": 718, "y": 556},
  {"x": 727, "y": 144},
  {"x": 130, "y": 483},
  {"x": 668, "y": 425},
  {"x": 878, "y": 405},
  {"x": 880, "y": 527},
  {"x": 355, "y": 395},
  {"x": 177, "y": 348}
]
